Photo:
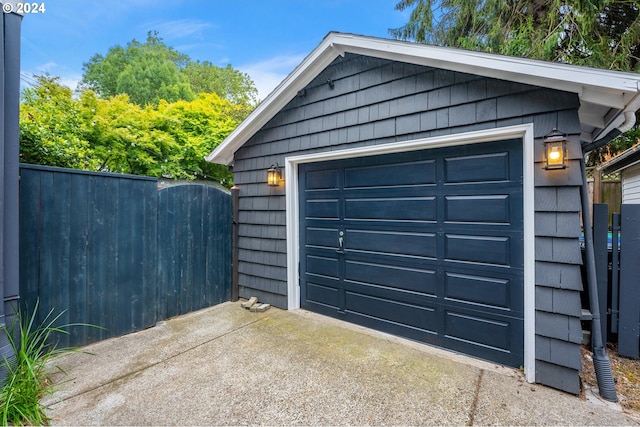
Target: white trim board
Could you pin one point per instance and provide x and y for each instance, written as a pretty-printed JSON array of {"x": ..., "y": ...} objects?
[{"x": 525, "y": 132}]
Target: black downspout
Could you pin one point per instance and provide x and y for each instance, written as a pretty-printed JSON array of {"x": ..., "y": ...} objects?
[{"x": 601, "y": 362}]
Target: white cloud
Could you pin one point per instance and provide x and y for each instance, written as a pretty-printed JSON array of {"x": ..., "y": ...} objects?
[
  {"x": 269, "y": 73},
  {"x": 47, "y": 68},
  {"x": 71, "y": 81}
]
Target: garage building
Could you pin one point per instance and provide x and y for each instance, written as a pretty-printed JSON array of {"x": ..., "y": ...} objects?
[{"x": 414, "y": 196}]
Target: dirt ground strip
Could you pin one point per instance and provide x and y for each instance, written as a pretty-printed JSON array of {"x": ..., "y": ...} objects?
[{"x": 626, "y": 374}]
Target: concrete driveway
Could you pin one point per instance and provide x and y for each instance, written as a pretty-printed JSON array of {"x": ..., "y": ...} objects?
[{"x": 228, "y": 366}]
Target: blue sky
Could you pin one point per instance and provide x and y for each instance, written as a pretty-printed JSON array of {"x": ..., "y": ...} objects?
[{"x": 264, "y": 38}]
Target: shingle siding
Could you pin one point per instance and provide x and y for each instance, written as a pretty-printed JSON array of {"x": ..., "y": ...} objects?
[{"x": 359, "y": 101}]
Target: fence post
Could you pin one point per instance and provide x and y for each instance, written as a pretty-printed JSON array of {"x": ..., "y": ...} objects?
[
  {"x": 235, "y": 251},
  {"x": 600, "y": 222},
  {"x": 615, "y": 271},
  {"x": 629, "y": 290},
  {"x": 597, "y": 186}
]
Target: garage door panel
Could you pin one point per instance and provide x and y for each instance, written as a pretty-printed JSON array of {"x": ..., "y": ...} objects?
[
  {"x": 477, "y": 168},
  {"x": 424, "y": 318},
  {"x": 414, "y": 209},
  {"x": 457, "y": 278},
  {"x": 478, "y": 290},
  {"x": 494, "y": 250},
  {"x": 398, "y": 295},
  {"x": 478, "y": 208},
  {"x": 322, "y": 266},
  {"x": 321, "y": 179},
  {"x": 322, "y": 237},
  {"x": 323, "y": 209},
  {"x": 391, "y": 175},
  {"x": 412, "y": 279},
  {"x": 392, "y": 243},
  {"x": 322, "y": 294},
  {"x": 479, "y": 331},
  {"x": 499, "y": 341}
]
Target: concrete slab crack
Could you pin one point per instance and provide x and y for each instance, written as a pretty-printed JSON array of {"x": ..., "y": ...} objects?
[
  {"x": 474, "y": 404},
  {"x": 151, "y": 365}
]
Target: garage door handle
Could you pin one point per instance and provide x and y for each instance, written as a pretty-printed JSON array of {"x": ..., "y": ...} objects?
[{"x": 340, "y": 250}]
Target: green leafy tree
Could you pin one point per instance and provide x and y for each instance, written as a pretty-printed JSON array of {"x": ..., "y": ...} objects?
[
  {"x": 228, "y": 83},
  {"x": 153, "y": 71},
  {"x": 598, "y": 33},
  {"x": 51, "y": 127},
  {"x": 146, "y": 72},
  {"x": 198, "y": 127}
]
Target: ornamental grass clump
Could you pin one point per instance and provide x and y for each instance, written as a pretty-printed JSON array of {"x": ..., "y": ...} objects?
[{"x": 27, "y": 379}]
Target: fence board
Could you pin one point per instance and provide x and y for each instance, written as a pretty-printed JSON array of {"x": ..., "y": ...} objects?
[
  {"x": 60, "y": 226},
  {"x": 629, "y": 318},
  {"x": 79, "y": 217},
  {"x": 29, "y": 233}
]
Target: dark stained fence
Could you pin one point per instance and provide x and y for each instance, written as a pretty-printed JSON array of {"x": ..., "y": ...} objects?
[
  {"x": 194, "y": 249},
  {"x": 618, "y": 270},
  {"x": 93, "y": 248}
]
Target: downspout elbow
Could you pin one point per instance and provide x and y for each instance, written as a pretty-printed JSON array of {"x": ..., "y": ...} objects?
[{"x": 629, "y": 121}]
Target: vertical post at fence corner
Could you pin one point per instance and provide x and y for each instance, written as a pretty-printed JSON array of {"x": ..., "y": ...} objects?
[
  {"x": 235, "y": 251},
  {"x": 629, "y": 318},
  {"x": 615, "y": 271}
]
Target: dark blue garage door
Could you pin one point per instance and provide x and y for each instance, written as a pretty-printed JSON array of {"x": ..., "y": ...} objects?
[{"x": 425, "y": 244}]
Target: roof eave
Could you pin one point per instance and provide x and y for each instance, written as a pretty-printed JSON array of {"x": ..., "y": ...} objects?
[
  {"x": 627, "y": 158},
  {"x": 616, "y": 90}
]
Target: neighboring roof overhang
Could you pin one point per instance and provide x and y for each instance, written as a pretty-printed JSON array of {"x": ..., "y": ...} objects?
[
  {"x": 608, "y": 99},
  {"x": 623, "y": 160}
]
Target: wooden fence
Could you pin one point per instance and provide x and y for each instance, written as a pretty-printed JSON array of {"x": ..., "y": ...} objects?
[
  {"x": 617, "y": 254},
  {"x": 114, "y": 251}
]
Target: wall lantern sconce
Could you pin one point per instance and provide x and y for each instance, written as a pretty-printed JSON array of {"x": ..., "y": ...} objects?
[
  {"x": 555, "y": 150},
  {"x": 274, "y": 176}
]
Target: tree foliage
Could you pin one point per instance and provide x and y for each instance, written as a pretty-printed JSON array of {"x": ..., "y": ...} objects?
[
  {"x": 226, "y": 82},
  {"x": 596, "y": 33},
  {"x": 146, "y": 72},
  {"x": 116, "y": 135},
  {"x": 50, "y": 120},
  {"x": 152, "y": 71}
]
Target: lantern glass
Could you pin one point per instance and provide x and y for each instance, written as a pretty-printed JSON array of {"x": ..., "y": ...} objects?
[
  {"x": 556, "y": 154},
  {"x": 555, "y": 150},
  {"x": 273, "y": 176}
]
